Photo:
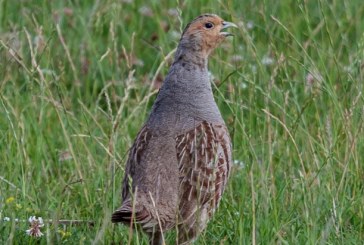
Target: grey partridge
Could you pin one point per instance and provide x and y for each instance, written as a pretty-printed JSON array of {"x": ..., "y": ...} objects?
[{"x": 179, "y": 163}]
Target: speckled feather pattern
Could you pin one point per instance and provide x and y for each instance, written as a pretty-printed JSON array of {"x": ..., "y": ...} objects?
[
  {"x": 179, "y": 164},
  {"x": 204, "y": 158}
]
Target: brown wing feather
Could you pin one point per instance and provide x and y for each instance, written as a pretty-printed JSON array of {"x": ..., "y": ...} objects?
[{"x": 204, "y": 156}]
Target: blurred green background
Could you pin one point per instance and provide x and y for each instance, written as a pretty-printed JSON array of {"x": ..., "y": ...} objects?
[{"x": 77, "y": 80}]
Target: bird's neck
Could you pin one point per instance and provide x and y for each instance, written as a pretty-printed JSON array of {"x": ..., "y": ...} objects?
[
  {"x": 186, "y": 91},
  {"x": 189, "y": 76},
  {"x": 193, "y": 52}
]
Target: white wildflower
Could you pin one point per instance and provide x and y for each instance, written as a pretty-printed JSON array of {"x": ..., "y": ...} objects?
[
  {"x": 35, "y": 225},
  {"x": 348, "y": 69},
  {"x": 236, "y": 58},
  {"x": 146, "y": 11},
  {"x": 243, "y": 85},
  {"x": 267, "y": 61},
  {"x": 250, "y": 25},
  {"x": 173, "y": 12},
  {"x": 239, "y": 163},
  {"x": 6, "y": 219},
  {"x": 253, "y": 69},
  {"x": 175, "y": 35}
]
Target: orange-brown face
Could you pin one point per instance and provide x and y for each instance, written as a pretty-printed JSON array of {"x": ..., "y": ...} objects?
[{"x": 207, "y": 31}]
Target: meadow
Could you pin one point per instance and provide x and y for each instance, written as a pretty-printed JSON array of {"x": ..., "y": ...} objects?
[{"x": 77, "y": 80}]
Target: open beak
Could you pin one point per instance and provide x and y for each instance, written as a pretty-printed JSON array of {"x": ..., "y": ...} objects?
[{"x": 225, "y": 25}]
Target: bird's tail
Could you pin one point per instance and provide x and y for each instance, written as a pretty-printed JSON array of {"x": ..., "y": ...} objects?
[{"x": 129, "y": 213}]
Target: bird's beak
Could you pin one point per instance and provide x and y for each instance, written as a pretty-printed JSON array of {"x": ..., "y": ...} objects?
[{"x": 225, "y": 25}]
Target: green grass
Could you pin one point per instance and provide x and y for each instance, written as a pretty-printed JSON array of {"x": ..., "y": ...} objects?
[{"x": 76, "y": 85}]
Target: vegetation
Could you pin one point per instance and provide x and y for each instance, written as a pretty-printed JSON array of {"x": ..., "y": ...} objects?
[{"x": 79, "y": 77}]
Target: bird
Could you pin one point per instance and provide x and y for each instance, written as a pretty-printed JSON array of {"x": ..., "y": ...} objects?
[{"x": 179, "y": 163}]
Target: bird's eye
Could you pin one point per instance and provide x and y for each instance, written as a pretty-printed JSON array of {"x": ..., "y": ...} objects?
[{"x": 209, "y": 25}]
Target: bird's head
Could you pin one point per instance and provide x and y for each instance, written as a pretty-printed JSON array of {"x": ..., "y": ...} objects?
[{"x": 205, "y": 33}]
